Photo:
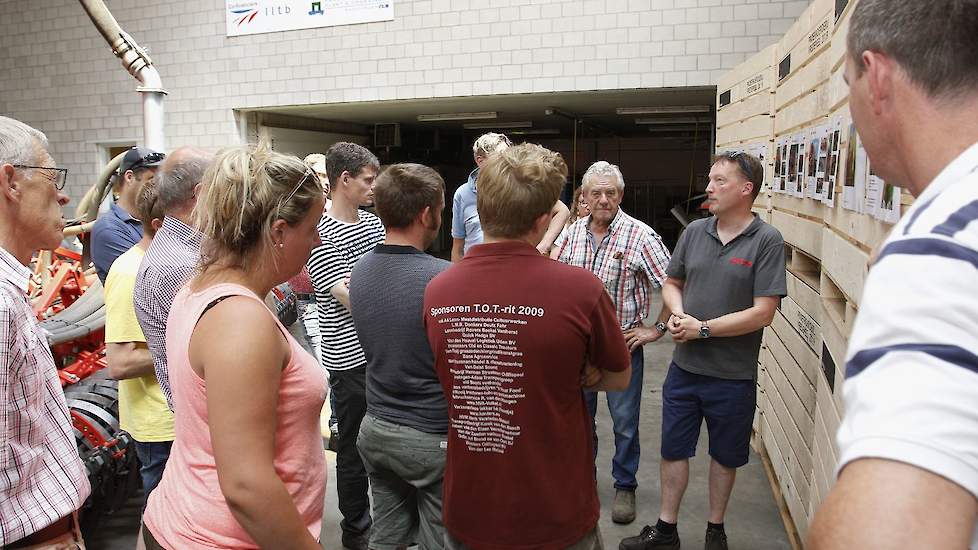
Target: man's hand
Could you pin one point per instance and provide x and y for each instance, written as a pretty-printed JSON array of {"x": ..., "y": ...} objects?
[
  {"x": 590, "y": 376},
  {"x": 638, "y": 336},
  {"x": 684, "y": 327}
]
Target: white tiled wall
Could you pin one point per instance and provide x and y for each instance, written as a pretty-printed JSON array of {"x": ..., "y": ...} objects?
[{"x": 59, "y": 75}]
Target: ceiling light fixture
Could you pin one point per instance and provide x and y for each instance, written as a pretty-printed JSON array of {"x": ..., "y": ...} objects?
[
  {"x": 496, "y": 125},
  {"x": 536, "y": 132},
  {"x": 683, "y": 120},
  {"x": 664, "y": 110},
  {"x": 486, "y": 115}
]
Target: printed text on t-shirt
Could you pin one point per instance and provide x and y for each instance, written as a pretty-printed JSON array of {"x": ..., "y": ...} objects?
[{"x": 486, "y": 364}]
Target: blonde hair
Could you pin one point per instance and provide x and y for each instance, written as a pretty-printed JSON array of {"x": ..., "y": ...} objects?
[
  {"x": 489, "y": 143},
  {"x": 244, "y": 191},
  {"x": 517, "y": 186}
]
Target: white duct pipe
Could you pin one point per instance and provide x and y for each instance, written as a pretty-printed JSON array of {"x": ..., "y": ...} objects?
[{"x": 138, "y": 63}]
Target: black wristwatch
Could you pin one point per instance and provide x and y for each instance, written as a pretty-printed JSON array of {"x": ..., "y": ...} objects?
[
  {"x": 704, "y": 330},
  {"x": 661, "y": 327}
]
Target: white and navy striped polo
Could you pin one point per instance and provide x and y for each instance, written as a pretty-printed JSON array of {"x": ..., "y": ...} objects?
[{"x": 911, "y": 390}]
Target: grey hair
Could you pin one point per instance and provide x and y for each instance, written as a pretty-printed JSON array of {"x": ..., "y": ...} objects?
[
  {"x": 604, "y": 168},
  {"x": 489, "y": 143},
  {"x": 177, "y": 177},
  {"x": 18, "y": 142},
  {"x": 934, "y": 42}
]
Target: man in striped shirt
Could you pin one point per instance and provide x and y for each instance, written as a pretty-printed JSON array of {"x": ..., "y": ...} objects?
[
  {"x": 172, "y": 258},
  {"x": 347, "y": 233},
  {"x": 630, "y": 259},
  {"x": 42, "y": 480},
  {"x": 908, "y": 444}
]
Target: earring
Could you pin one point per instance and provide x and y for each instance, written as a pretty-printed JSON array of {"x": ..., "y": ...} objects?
[{"x": 280, "y": 245}]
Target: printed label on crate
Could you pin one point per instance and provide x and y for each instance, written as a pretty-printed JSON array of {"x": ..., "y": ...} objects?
[
  {"x": 820, "y": 35},
  {"x": 809, "y": 330},
  {"x": 754, "y": 85}
]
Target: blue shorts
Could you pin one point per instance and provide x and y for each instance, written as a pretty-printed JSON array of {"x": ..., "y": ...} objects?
[{"x": 727, "y": 405}]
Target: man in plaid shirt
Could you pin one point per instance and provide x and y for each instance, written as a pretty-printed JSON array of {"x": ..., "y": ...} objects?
[
  {"x": 630, "y": 259},
  {"x": 42, "y": 480}
]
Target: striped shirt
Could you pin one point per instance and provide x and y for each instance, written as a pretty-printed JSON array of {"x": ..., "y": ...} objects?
[
  {"x": 911, "y": 389},
  {"x": 331, "y": 263},
  {"x": 41, "y": 477},
  {"x": 171, "y": 260},
  {"x": 630, "y": 260}
]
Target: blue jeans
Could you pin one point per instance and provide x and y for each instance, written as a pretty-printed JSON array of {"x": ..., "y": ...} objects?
[
  {"x": 624, "y": 407},
  {"x": 152, "y": 460}
]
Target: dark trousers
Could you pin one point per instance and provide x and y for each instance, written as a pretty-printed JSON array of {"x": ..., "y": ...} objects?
[
  {"x": 349, "y": 388},
  {"x": 152, "y": 460}
]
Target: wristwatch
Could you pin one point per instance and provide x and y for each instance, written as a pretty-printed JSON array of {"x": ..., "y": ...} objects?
[
  {"x": 661, "y": 327},
  {"x": 704, "y": 330}
]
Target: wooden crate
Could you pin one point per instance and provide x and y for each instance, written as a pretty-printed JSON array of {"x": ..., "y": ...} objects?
[
  {"x": 774, "y": 440},
  {"x": 806, "y": 295},
  {"x": 845, "y": 263},
  {"x": 747, "y": 90},
  {"x": 805, "y": 234}
]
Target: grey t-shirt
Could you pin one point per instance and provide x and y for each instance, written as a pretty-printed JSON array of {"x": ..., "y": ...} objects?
[
  {"x": 387, "y": 300},
  {"x": 721, "y": 279}
]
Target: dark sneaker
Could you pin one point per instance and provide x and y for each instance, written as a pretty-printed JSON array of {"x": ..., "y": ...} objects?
[
  {"x": 623, "y": 511},
  {"x": 356, "y": 541},
  {"x": 650, "y": 539},
  {"x": 715, "y": 540}
]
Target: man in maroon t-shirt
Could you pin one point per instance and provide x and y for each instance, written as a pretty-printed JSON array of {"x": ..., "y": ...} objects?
[{"x": 515, "y": 336}]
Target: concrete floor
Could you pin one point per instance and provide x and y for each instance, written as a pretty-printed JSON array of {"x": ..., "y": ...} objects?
[{"x": 752, "y": 523}]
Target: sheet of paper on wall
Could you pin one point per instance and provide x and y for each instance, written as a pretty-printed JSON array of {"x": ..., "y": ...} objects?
[
  {"x": 776, "y": 171},
  {"x": 861, "y": 174},
  {"x": 800, "y": 139},
  {"x": 811, "y": 160},
  {"x": 759, "y": 150},
  {"x": 874, "y": 191},
  {"x": 832, "y": 161},
  {"x": 821, "y": 161},
  {"x": 888, "y": 207},
  {"x": 853, "y": 169}
]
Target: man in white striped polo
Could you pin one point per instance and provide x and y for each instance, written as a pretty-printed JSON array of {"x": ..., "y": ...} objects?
[
  {"x": 347, "y": 233},
  {"x": 908, "y": 445}
]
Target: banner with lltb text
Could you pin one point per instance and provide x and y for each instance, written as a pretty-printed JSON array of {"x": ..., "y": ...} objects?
[{"x": 260, "y": 16}]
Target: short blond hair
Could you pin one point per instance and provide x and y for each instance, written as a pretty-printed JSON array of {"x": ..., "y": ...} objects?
[
  {"x": 489, "y": 143},
  {"x": 517, "y": 186}
]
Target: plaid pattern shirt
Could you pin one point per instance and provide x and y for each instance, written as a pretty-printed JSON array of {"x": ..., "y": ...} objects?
[
  {"x": 41, "y": 477},
  {"x": 630, "y": 260},
  {"x": 171, "y": 260}
]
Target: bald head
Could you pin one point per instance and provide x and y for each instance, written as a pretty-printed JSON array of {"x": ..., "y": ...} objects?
[{"x": 177, "y": 177}]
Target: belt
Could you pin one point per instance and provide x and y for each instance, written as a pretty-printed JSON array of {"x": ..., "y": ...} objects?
[{"x": 58, "y": 528}]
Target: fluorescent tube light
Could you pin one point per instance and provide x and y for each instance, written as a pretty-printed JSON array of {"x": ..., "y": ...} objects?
[
  {"x": 663, "y": 110},
  {"x": 487, "y": 115},
  {"x": 499, "y": 125}
]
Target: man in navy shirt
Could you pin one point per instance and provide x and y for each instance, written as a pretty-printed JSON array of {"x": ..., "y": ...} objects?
[{"x": 116, "y": 231}]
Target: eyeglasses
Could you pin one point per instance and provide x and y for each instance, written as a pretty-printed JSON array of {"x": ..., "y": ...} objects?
[
  {"x": 151, "y": 158},
  {"x": 741, "y": 159},
  {"x": 60, "y": 174}
]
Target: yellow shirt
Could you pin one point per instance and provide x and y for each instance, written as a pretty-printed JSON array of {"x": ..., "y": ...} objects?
[{"x": 142, "y": 408}]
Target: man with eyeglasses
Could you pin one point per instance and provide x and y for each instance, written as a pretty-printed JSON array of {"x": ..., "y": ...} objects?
[
  {"x": 725, "y": 280},
  {"x": 116, "y": 230},
  {"x": 42, "y": 480}
]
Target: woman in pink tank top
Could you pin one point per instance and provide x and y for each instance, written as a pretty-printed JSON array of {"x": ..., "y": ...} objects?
[{"x": 247, "y": 468}]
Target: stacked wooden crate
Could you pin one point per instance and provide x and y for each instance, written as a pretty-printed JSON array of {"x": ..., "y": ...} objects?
[
  {"x": 745, "y": 114},
  {"x": 828, "y": 248}
]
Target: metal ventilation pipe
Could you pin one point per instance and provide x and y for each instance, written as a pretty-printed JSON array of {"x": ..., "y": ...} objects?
[{"x": 138, "y": 63}]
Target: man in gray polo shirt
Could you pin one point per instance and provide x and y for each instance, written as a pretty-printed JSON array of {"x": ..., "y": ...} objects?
[
  {"x": 726, "y": 278},
  {"x": 403, "y": 436}
]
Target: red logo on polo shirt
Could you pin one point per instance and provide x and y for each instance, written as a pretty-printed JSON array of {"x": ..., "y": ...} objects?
[{"x": 741, "y": 261}]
